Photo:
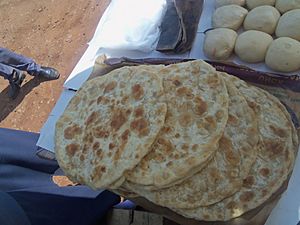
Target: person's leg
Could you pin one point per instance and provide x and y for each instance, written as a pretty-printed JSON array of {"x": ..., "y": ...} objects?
[
  {"x": 15, "y": 78},
  {"x": 19, "y": 62},
  {"x": 11, "y": 212},
  {"x": 51, "y": 209},
  {"x": 6, "y": 71},
  {"x": 27, "y": 64}
]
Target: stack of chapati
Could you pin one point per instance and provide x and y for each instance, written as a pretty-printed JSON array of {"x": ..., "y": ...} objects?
[{"x": 204, "y": 144}]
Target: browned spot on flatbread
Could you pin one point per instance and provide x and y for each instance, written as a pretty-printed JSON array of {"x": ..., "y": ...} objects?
[
  {"x": 98, "y": 171},
  {"x": 72, "y": 131},
  {"x": 159, "y": 158},
  {"x": 139, "y": 112},
  {"x": 226, "y": 146},
  {"x": 252, "y": 105},
  {"x": 274, "y": 147},
  {"x": 231, "y": 205},
  {"x": 166, "y": 130},
  {"x": 279, "y": 131},
  {"x": 185, "y": 119},
  {"x": 165, "y": 145},
  {"x": 85, "y": 149},
  {"x": 100, "y": 133},
  {"x": 184, "y": 91},
  {"x": 119, "y": 117},
  {"x": 219, "y": 114},
  {"x": 177, "y": 83},
  {"x": 200, "y": 106},
  {"x": 102, "y": 100},
  {"x": 141, "y": 126},
  {"x": 232, "y": 119},
  {"x": 111, "y": 146},
  {"x": 120, "y": 149},
  {"x": 128, "y": 111},
  {"x": 190, "y": 160},
  {"x": 185, "y": 146},
  {"x": 177, "y": 156},
  {"x": 72, "y": 149},
  {"x": 144, "y": 164},
  {"x": 264, "y": 192},
  {"x": 99, "y": 154},
  {"x": 88, "y": 138},
  {"x": 137, "y": 91},
  {"x": 92, "y": 118},
  {"x": 119, "y": 152},
  {"x": 109, "y": 87},
  {"x": 208, "y": 124},
  {"x": 124, "y": 100},
  {"x": 195, "y": 147},
  {"x": 265, "y": 172},
  {"x": 248, "y": 181},
  {"x": 214, "y": 174},
  {"x": 96, "y": 146},
  {"x": 125, "y": 135},
  {"x": 99, "y": 99},
  {"x": 169, "y": 164},
  {"x": 213, "y": 81},
  {"x": 195, "y": 69},
  {"x": 82, "y": 158},
  {"x": 247, "y": 196}
]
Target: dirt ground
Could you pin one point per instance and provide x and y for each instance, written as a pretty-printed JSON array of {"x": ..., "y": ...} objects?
[{"x": 52, "y": 32}]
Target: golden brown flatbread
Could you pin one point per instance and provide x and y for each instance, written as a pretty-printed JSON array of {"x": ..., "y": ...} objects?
[
  {"x": 276, "y": 154},
  {"x": 197, "y": 102},
  {"x": 224, "y": 174},
  {"x": 109, "y": 126}
]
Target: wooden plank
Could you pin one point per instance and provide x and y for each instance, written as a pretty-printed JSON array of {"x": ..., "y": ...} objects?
[{"x": 134, "y": 217}]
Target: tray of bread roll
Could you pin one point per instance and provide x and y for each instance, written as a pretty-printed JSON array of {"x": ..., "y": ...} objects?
[{"x": 262, "y": 35}]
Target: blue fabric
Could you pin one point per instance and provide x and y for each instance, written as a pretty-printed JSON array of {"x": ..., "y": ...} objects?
[
  {"x": 16, "y": 61},
  {"x": 10, "y": 211},
  {"x": 6, "y": 71},
  {"x": 46, "y": 209},
  {"x": 127, "y": 204},
  {"x": 28, "y": 179},
  {"x": 19, "y": 148}
]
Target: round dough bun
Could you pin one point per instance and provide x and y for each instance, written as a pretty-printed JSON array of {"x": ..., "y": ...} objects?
[
  {"x": 287, "y": 5},
  {"x": 263, "y": 18},
  {"x": 220, "y": 3},
  {"x": 251, "y": 46},
  {"x": 229, "y": 16},
  {"x": 284, "y": 55},
  {"x": 219, "y": 43},
  {"x": 251, "y": 4},
  {"x": 289, "y": 25}
]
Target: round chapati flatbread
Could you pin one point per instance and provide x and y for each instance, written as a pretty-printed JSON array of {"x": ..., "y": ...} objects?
[
  {"x": 276, "y": 154},
  {"x": 224, "y": 174},
  {"x": 197, "y": 105},
  {"x": 109, "y": 126}
]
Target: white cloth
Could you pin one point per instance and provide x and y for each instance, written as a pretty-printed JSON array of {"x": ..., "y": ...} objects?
[{"x": 131, "y": 25}]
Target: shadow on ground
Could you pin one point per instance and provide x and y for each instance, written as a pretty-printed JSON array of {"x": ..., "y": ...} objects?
[{"x": 8, "y": 105}]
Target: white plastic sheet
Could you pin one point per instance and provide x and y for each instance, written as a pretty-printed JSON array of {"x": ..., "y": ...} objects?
[{"x": 131, "y": 25}]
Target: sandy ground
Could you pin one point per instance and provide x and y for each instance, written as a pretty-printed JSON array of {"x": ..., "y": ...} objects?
[{"x": 52, "y": 32}]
